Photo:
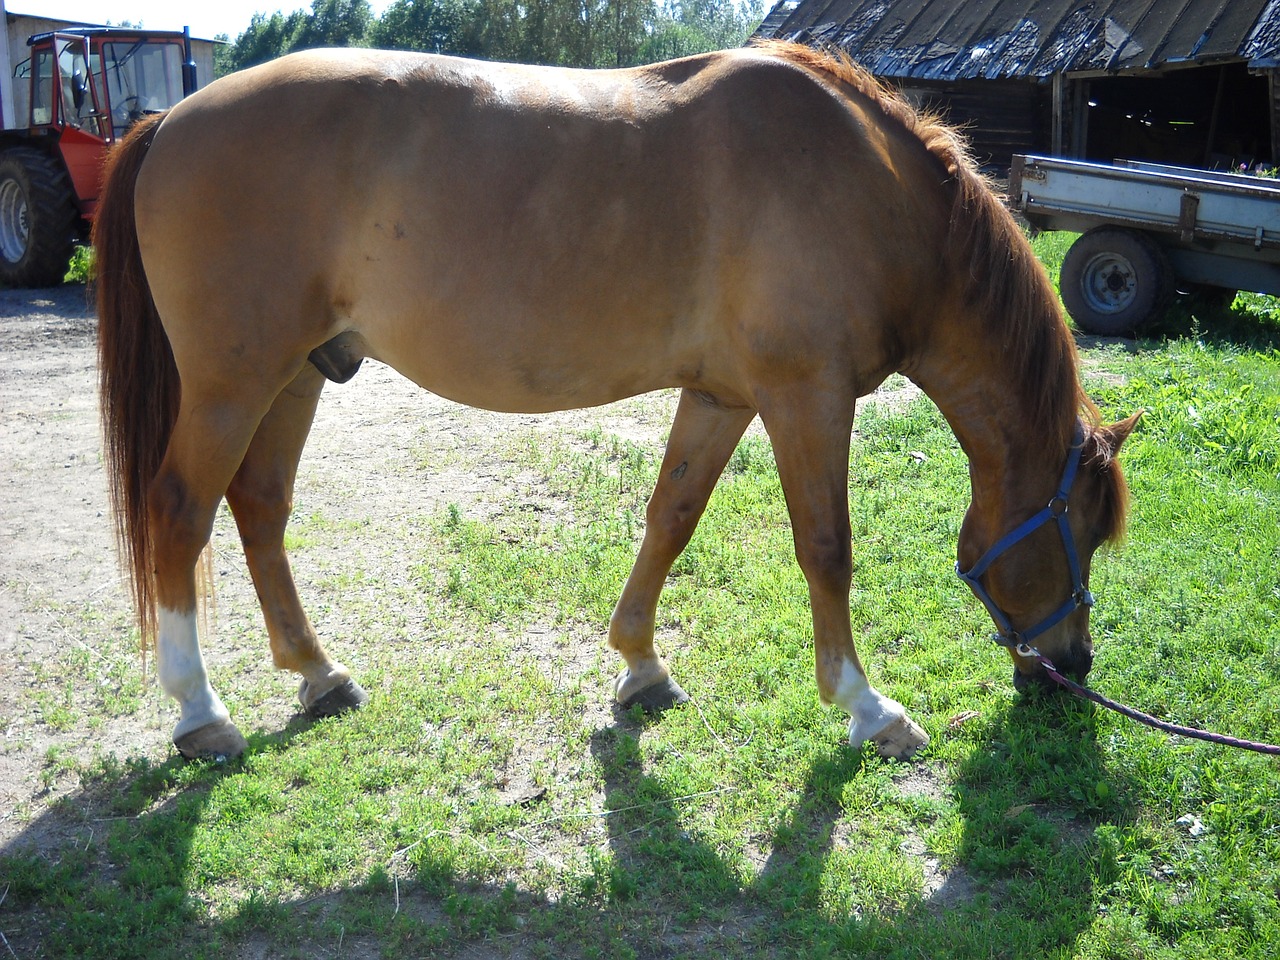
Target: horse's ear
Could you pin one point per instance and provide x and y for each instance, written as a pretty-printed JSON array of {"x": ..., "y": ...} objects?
[{"x": 1117, "y": 433}]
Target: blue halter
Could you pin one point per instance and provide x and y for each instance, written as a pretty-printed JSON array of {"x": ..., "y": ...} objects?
[{"x": 1056, "y": 510}]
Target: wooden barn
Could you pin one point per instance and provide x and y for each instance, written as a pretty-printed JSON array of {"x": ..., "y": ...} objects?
[{"x": 1190, "y": 82}]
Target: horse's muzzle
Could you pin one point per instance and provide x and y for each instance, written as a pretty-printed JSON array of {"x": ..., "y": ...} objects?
[{"x": 1076, "y": 664}]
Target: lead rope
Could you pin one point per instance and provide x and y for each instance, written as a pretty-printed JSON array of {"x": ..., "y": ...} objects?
[{"x": 1031, "y": 653}]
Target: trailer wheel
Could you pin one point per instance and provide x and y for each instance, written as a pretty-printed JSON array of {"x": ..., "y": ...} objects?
[
  {"x": 1115, "y": 281},
  {"x": 38, "y": 219}
]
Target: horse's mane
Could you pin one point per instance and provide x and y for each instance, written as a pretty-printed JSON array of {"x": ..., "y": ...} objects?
[{"x": 1007, "y": 286}]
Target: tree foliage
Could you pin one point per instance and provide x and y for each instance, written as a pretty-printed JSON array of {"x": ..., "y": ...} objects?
[
  {"x": 331, "y": 23},
  {"x": 583, "y": 33}
]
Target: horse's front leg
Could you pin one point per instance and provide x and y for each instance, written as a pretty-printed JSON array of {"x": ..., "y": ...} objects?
[
  {"x": 703, "y": 437},
  {"x": 261, "y": 497},
  {"x": 812, "y": 450}
]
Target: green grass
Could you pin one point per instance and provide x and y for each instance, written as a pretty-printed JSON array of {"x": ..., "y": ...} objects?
[
  {"x": 81, "y": 267},
  {"x": 486, "y": 803}
]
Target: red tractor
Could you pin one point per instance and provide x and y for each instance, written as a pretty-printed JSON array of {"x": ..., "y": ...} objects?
[{"x": 77, "y": 94}]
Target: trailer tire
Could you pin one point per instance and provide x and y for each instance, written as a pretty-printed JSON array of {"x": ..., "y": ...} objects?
[
  {"x": 38, "y": 219},
  {"x": 1115, "y": 281}
]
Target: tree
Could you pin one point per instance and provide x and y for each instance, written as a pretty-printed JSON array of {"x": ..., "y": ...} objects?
[
  {"x": 331, "y": 23},
  {"x": 266, "y": 38},
  {"x": 578, "y": 33},
  {"x": 433, "y": 26},
  {"x": 686, "y": 27},
  {"x": 335, "y": 23},
  {"x": 575, "y": 33},
  {"x": 223, "y": 55}
]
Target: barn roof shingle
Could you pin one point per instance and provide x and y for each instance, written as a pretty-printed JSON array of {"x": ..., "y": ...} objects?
[{"x": 990, "y": 39}]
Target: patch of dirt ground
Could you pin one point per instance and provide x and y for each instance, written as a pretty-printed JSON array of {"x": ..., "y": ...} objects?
[{"x": 72, "y": 686}]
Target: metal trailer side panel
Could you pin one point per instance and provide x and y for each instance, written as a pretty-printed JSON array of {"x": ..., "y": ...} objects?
[
  {"x": 1229, "y": 270},
  {"x": 1074, "y": 195}
]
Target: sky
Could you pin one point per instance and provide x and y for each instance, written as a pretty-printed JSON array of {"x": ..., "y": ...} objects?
[{"x": 206, "y": 18}]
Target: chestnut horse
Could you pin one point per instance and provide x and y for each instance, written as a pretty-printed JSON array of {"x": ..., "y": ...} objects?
[{"x": 769, "y": 229}]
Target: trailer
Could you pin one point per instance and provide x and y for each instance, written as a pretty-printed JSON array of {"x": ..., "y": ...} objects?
[{"x": 1149, "y": 231}]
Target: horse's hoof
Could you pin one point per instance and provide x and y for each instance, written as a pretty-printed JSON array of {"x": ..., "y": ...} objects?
[
  {"x": 900, "y": 740},
  {"x": 342, "y": 698},
  {"x": 661, "y": 695},
  {"x": 219, "y": 741}
]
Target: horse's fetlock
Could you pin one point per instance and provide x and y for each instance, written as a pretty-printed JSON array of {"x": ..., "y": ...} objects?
[
  {"x": 675, "y": 521},
  {"x": 624, "y": 625},
  {"x": 267, "y": 506}
]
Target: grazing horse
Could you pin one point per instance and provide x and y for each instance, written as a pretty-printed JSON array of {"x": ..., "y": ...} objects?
[{"x": 769, "y": 229}]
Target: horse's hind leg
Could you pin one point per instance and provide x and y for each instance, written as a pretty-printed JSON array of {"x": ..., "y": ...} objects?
[
  {"x": 209, "y": 439},
  {"x": 811, "y": 445},
  {"x": 703, "y": 436},
  {"x": 260, "y": 497}
]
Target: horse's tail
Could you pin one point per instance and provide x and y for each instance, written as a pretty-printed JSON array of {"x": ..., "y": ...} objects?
[{"x": 138, "y": 387}]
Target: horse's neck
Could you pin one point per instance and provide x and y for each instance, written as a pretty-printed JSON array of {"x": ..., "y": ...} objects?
[{"x": 1012, "y": 466}]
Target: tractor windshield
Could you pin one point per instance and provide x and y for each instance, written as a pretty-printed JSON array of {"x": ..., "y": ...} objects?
[
  {"x": 142, "y": 77},
  {"x": 63, "y": 89},
  {"x": 79, "y": 105}
]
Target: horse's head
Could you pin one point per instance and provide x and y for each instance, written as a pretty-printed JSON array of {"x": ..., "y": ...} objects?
[{"x": 1033, "y": 576}]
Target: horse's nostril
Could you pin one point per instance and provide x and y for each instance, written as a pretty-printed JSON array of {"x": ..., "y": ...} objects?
[{"x": 1078, "y": 663}]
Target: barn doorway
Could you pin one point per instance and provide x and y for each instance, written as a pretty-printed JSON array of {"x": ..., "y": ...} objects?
[{"x": 1212, "y": 116}]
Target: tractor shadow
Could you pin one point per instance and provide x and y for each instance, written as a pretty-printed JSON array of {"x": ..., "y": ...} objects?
[
  {"x": 67, "y": 861},
  {"x": 1206, "y": 318}
]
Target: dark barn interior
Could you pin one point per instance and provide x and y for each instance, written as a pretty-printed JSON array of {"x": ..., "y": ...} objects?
[{"x": 1214, "y": 116}]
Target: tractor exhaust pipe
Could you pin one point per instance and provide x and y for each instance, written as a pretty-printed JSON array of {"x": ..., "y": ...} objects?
[{"x": 188, "y": 64}]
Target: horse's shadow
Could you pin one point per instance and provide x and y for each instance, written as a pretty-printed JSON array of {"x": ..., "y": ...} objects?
[
  {"x": 59, "y": 877},
  {"x": 669, "y": 890},
  {"x": 1013, "y": 874}
]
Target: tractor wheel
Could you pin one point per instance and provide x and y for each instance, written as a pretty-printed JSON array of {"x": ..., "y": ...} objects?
[
  {"x": 38, "y": 219},
  {"x": 1115, "y": 281}
]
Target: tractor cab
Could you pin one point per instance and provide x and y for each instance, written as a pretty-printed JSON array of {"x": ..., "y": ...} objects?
[
  {"x": 87, "y": 86},
  {"x": 77, "y": 94},
  {"x": 101, "y": 79}
]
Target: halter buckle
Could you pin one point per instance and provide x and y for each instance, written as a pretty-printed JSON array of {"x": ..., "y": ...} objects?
[{"x": 1013, "y": 642}]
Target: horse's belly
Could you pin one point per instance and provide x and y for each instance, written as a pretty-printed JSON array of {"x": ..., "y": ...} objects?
[
  {"x": 547, "y": 320},
  {"x": 503, "y": 368}
]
